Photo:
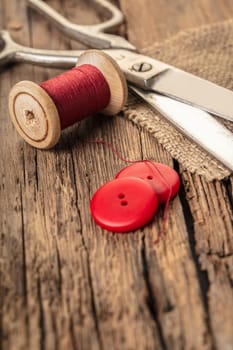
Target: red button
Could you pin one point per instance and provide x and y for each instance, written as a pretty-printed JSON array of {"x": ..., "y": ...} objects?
[
  {"x": 123, "y": 205},
  {"x": 163, "y": 178}
]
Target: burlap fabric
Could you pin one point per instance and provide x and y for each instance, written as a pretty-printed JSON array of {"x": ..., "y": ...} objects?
[{"x": 207, "y": 52}]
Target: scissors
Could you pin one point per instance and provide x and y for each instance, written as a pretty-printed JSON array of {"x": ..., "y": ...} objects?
[{"x": 185, "y": 100}]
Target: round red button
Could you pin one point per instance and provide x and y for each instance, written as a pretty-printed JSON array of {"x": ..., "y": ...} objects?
[
  {"x": 163, "y": 178},
  {"x": 123, "y": 205}
]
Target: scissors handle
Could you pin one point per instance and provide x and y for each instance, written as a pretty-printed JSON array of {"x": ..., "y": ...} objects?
[
  {"x": 13, "y": 52},
  {"x": 52, "y": 60},
  {"x": 138, "y": 69},
  {"x": 94, "y": 35}
]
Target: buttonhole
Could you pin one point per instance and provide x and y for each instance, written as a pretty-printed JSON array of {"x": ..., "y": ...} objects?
[
  {"x": 124, "y": 203},
  {"x": 149, "y": 177},
  {"x": 121, "y": 195}
]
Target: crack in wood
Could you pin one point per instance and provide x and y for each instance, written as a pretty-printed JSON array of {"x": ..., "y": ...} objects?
[
  {"x": 36, "y": 170},
  {"x": 59, "y": 271},
  {"x": 1, "y": 315},
  {"x": 89, "y": 275},
  {"x": 24, "y": 167},
  {"x": 72, "y": 334},
  {"x": 229, "y": 191},
  {"x": 202, "y": 276},
  {"x": 24, "y": 264},
  {"x": 54, "y": 328},
  {"x": 42, "y": 327},
  {"x": 151, "y": 302},
  {"x": 94, "y": 311}
]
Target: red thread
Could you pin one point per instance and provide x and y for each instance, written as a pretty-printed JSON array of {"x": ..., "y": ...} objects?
[{"x": 78, "y": 93}]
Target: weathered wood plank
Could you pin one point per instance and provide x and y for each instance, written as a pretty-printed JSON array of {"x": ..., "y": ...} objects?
[
  {"x": 207, "y": 207},
  {"x": 64, "y": 282},
  {"x": 39, "y": 288}
]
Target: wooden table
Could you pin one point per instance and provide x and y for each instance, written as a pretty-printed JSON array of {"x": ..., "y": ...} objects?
[{"x": 64, "y": 282}]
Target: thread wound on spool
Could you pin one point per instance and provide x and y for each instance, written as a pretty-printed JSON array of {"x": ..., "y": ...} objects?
[
  {"x": 78, "y": 93},
  {"x": 39, "y": 112}
]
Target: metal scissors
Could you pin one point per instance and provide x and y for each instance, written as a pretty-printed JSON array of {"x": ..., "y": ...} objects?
[{"x": 183, "y": 99}]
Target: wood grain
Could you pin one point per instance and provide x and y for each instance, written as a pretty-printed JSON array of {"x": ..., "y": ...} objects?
[{"x": 64, "y": 282}]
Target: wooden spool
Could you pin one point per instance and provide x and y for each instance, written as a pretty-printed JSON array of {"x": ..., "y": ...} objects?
[{"x": 35, "y": 115}]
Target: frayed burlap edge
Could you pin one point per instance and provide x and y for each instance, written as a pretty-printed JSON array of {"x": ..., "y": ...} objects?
[{"x": 207, "y": 52}]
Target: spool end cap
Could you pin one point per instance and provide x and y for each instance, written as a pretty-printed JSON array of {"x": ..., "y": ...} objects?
[
  {"x": 34, "y": 115},
  {"x": 113, "y": 75}
]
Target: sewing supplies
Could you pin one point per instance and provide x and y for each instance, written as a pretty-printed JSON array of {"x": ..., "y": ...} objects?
[
  {"x": 125, "y": 204},
  {"x": 40, "y": 112},
  {"x": 182, "y": 98},
  {"x": 132, "y": 199},
  {"x": 96, "y": 84},
  {"x": 164, "y": 179}
]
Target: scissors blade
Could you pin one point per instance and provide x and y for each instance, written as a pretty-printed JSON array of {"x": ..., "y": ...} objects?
[
  {"x": 196, "y": 124},
  {"x": 198, "y": 92},
  {"x": 151, "y": 74}
]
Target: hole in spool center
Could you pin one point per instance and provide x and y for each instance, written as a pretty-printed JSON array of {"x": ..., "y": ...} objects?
[{"x": 30, "y": 118}]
